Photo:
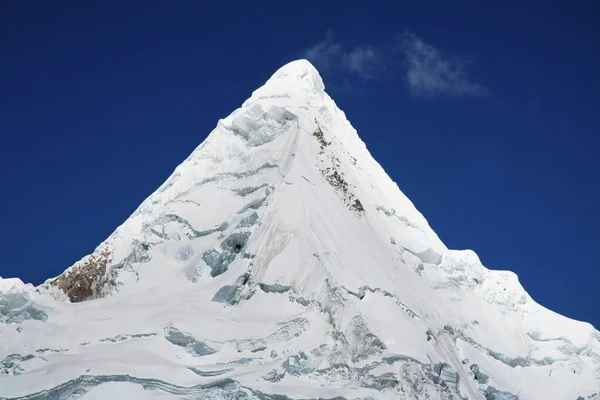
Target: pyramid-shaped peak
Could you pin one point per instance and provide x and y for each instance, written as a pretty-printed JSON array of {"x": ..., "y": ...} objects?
[{"x": 280, "y": 260}]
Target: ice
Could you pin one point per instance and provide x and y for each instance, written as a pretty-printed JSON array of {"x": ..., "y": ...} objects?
[
  {"x": 210, "y": 373},
  {"x": 227, "y": 294},
  {"x": 259, "y": 126},
  {"x": 449, "y": 378},
  {"x": 219, "y": 261},
  {"x": 362, "y": 343},
  {"x": 494, "y": 394},
  {"x": 480, "y": 377},
  {"x": 280, "y": 261},
  {"x": 120, "y": 338},
  {"x": 381, "y": 382},
  {"x": 274, "y": 376},
  {"x": 429, "y": 256},
  {"x": 246, "y": 361},
  {"x": 274, "y": 288},
  {"x": 245, "y": 191},
  {"x": 298, "y": 364},
  {"x": 17, "y": 303},
  {"x": 193, "y": 346},
  {"x": 249, "y": 221},
  {"x": 89, "y": 387},
  {"x": 290, "y": 330},
  {"x": 17, "y": 307},
  {"x": 232, "y": 294},
  {"x": 124, "y": 389},
  {"x": 11, "y": 365}
]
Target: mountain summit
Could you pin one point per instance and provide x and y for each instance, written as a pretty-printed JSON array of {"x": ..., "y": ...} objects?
[{"x": 280, "y": 261}]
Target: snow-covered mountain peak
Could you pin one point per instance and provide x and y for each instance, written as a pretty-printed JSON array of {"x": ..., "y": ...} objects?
[
  {"x": 280, "y": 258},
  {"x": 296, "y": 86},
  {"x": 301, "y": 71},
  {"x": 297, "y": 69}
]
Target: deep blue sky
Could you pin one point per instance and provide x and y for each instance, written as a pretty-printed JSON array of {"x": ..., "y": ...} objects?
[{"x": 100, "y": 102}]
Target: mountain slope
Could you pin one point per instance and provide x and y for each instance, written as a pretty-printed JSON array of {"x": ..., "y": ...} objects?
[{"x": 279, "y": 258}]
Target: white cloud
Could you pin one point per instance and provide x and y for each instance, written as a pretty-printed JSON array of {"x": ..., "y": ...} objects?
[
  {"x": 427, "y": 71},
  {"x": 365, "y": 61},
  {"x": 328, "y": 55},
  {"x": 324, "y": 53},
  {"x": 431, "y": 74}
]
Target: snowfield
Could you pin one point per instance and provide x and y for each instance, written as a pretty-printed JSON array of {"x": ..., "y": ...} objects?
[{"x": 280, "y": 261}]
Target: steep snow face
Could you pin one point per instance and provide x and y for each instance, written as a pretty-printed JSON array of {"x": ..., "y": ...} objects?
[{"x": 280, "y": 259}]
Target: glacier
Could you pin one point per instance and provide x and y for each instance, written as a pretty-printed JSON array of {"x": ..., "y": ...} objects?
[{"x": 280, "y": 261}]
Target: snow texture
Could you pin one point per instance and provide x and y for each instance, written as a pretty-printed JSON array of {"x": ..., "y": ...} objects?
[{"x": 279, "y": 261}]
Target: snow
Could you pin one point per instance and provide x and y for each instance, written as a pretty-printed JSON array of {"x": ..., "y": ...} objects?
[{"x": 280, "y": 259}]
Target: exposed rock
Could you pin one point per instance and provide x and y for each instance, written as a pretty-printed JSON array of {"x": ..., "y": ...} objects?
[
  {"x": 357, "y": 205},
  {"x": 320, "y": 137},
  {"x": 79, "y": 282}
]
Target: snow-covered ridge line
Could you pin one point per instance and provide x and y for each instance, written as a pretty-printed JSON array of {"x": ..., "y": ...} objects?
[{"x": 279, "y": 258}]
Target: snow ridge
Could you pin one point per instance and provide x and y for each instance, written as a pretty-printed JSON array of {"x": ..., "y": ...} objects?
[{"x": 279, "y": 259}]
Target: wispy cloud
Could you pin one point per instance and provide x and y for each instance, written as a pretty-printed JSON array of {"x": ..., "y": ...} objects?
[
  {"x": 328, "y": 54},
  {"x": 365, "y": 61},
  {"x": 427, "y": 71},
  {"x": 430, "y": 73},
  {"x": 324, "y": 53}
]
